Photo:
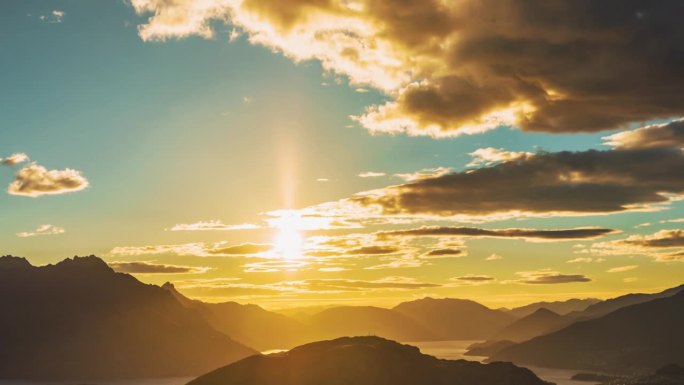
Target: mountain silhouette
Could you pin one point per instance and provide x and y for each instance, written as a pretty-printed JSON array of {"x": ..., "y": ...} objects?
[
  {"x": 78, "y": 319},
  {"x": 538, "y": 323},
  {"x": 558, "y": 307},
  {"x": 610, "y": 305},
  {"x": 249, "y": 324},
  {"x": 637, "y": 338},
  {"x": 363, "y": 361},
  {"x": 368, "y": 320},
  {"x": 487, "y": 348},
  {"x": 456, "y": 319}
]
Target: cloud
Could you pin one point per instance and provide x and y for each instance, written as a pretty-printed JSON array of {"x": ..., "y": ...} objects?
[
  {"x": 585, "y": 260},
  {"x": 220, "y": 249},
  {"x": 493, "y": 257},
  {"x": 663, "y": 238},
  {"x": 473, "y": 279},
  {"x": 549, "y": 277},
  {"x": 213, "y": 225},
  {"x": 55, "y": 17},
  {"x": 371, "y": 174},
  {"x": 34, "y": 181},
  {"x": 563, "y": 183},
  {"x": 622, "y": 269},
  {"x": 373, "y": 250},
  {"x": 309, "y": 286},
  {"x": 490, "y": 155},
  {"x": 663, "y": 246},
  {"x": 442, "y": 253},
  {"x": 143, "y": 267},
  {"x": 533, "y": 234},
  {"x": 668, "y": 135},
  {"x": 322, "y": 180},
  {"x": 468, "y": 66},
  {"x": 13, "y": 159},
  {"x": 42, "y": 230},
  {"x": 427, "y": 173}
]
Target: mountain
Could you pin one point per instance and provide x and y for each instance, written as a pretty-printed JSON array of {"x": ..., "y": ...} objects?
[
  {"x": 558, "y": 307},
  {"x": 78, "y": 319},
  {"x": 456, "y": 319},
  {"x": 248, "y": 324},
  {"x": 610, "y": 305},
  {"x": 368, "y": 320},
  {"x": 637, "y": 338},
  {"x": 363, "y": 361},
  {"x": 536, "y": 324}
]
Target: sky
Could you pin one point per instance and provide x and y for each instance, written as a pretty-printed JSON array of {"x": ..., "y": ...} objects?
[{"x": 303, "y": 152}]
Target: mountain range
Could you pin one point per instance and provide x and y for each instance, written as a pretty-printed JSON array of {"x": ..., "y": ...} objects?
[
  {"x": 636, "y": 338},
  {"x": 78, "y": 319}
]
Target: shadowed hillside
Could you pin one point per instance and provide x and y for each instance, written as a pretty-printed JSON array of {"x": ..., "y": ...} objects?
[
  {"x": 637, "y": 338},
  {"x": 79, "y": 319},
  {"x": 368, "y": 320},
  {"x": 456, "y": 319},
  {"x": 538, "y": 323},
  {"x": 363, "y": 361},
  {"x": 249, "y": 324},
  {"x": 558, "y": 307}
]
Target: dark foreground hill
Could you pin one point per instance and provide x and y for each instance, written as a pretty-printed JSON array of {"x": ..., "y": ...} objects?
[
  {"x": 79, "y": 319},
  {"x": 249, "y": 324},
  {"x": 637, "y": 338},
  {"x": 363, "y": 361}
]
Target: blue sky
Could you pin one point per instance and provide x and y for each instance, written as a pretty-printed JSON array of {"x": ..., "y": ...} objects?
[{"x": 195, "y": 129}]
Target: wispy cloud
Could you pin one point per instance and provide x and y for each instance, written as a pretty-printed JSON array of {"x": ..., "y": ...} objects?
[
  {"x": 622, "y": 269},
  {"x": 213, "y": 225},
  {"x": 371, "y": 174},
  {"x": 42, "y": 230},
  {"x": 146, "y": 267}
]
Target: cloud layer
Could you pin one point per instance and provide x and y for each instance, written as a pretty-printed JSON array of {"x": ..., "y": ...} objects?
[{"x": 469, "y": 65}]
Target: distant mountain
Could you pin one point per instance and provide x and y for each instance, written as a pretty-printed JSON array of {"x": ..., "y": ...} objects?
[
  {"x": 610, "y": 305},
  {"x": 536, "y": 324},
  {"x": 78, "y": 319},
  {"x": 368, "y": 320},
  {"x": 558, "y": 307},
  {"x": 363, "y": 361},
  {"x": 637, "y": 338},
  {"x": 249, "y": 324},
  {"x": 456, "y": 319}
]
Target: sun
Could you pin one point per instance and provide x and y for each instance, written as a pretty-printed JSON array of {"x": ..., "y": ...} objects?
[{"x": 289, "y": 242}]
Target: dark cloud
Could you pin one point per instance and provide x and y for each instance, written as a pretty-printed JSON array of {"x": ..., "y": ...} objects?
[
  {"x": 566, "y": 182},
  {"x": 580, "y": 233},
  {"x": 670, "y": 135},
  {"x": 142, "y": 267},
  {"x": 663, "y": 238},
  {"x": 547, "y": 277},
  {"x": 373, "y": 250},
  {"x": 444, "y": 252},
  {"x": 553, "y": 66}
]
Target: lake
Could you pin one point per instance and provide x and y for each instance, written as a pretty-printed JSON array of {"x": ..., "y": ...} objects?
[
  {"x": 450, "y": 350},
  {"x": 455, "y": 350}
]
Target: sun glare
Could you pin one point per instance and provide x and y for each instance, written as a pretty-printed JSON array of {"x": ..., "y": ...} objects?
[{"x": 289, "y": 242}]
